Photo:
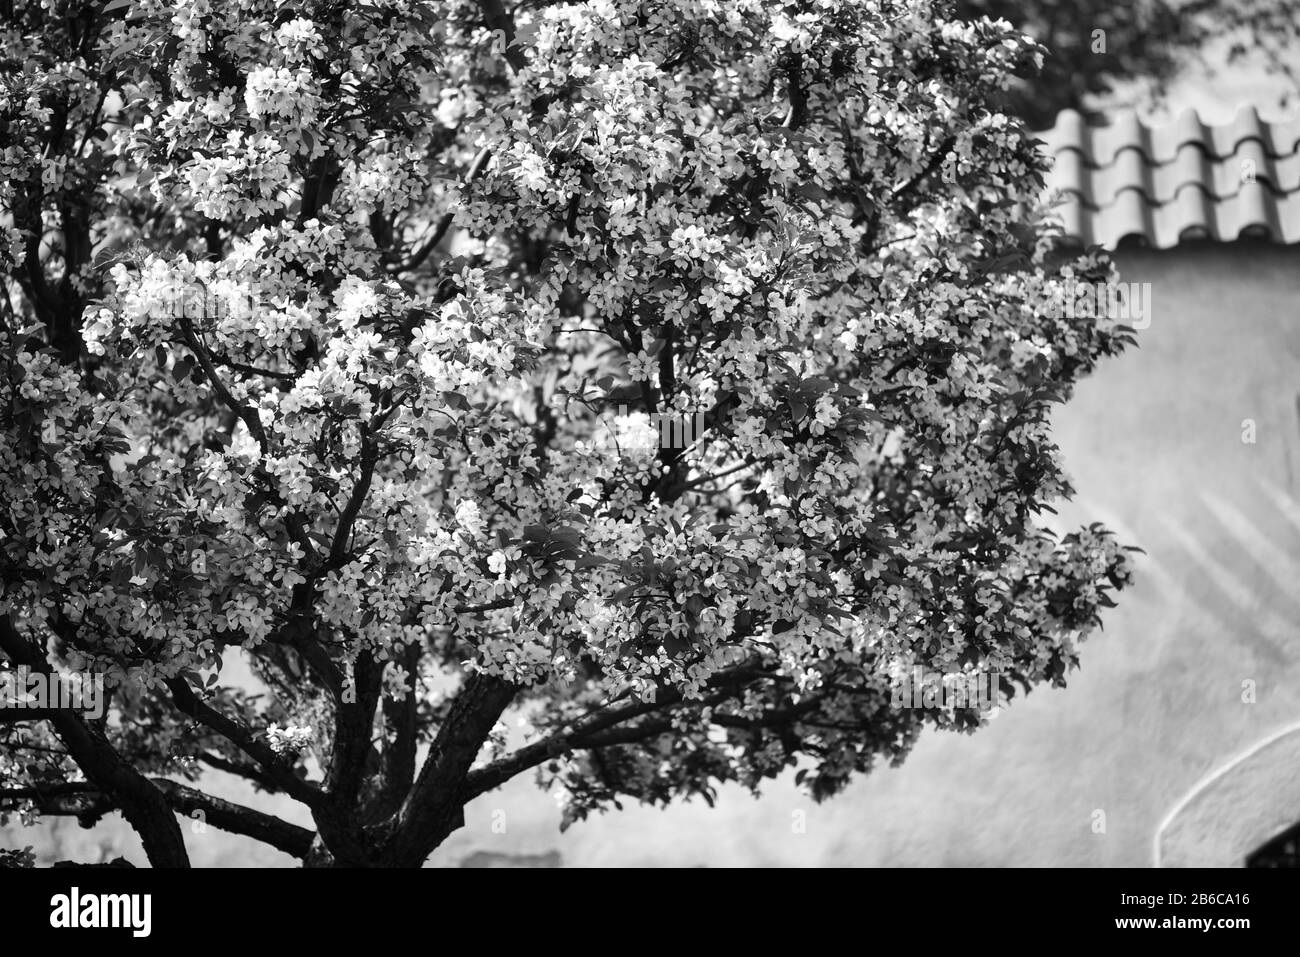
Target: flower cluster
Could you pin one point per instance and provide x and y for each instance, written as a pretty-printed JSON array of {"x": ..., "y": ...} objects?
[{"x": 288, "y": 741}]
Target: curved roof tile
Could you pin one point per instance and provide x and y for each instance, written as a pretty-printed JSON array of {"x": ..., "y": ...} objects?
[{"x": 1179, "y": 181}]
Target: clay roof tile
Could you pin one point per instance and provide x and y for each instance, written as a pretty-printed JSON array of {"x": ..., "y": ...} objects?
[{"x": 1169, "y": 183}]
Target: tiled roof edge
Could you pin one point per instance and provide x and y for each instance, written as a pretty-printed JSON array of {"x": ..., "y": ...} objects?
[{"x": 1185, "y": 179}]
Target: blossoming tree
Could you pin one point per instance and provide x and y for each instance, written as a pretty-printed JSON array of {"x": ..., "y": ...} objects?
[{"x": 320, "y": 317}]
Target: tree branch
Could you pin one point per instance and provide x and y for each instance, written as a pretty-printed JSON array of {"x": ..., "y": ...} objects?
[
  {"x": 237, "y": 819},
  {"x": 188, "y": 702},
  {"x": 398, "y": 764},
  {"x": 353, "y": 725},
  {"x": 246, "y": 771},
  {"x": 84, "y": 801},
  {"x": 142, "y": 804},
  {"x": 88, "y": 803},
  {"x": 600, "y": 730},
  {"x": 348, "y": 519},
  {"x": 930, "y": 166},
  {"x": 246, "y": 414},
  {"x": 435, "y": 804},
  {"x": 444, "y": 224}
]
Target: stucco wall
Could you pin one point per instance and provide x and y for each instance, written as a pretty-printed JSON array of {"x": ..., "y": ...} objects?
[{"x": 1154, "y": 443}]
